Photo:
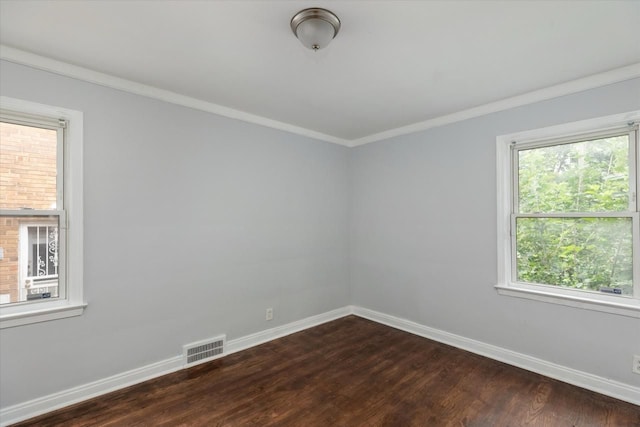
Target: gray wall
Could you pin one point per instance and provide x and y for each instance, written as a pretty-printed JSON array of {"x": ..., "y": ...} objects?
[
  {"x": 423, "y": 239},
  {"x": 194, "y": 224}
]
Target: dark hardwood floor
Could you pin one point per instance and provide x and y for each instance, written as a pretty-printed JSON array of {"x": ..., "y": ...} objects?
[{"x": 349, "y": 372}]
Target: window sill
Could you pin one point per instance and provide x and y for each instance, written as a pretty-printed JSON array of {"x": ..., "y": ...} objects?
[
  {"x": 24, "y": 317},
  {"x": 623, "y": 306}
]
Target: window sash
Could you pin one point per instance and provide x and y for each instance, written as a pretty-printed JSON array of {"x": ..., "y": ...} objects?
[
  {"x": 634, "y": 204},
  {"x": 630, "y": 131},
  {"x": 635, "y": 237},
  {"x": 59, "y": 125},
  {"x": 62, "y": 247}
]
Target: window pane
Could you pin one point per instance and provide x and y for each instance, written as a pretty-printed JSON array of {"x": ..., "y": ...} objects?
[
  {"x": 29, "y": 264},
  {"x": 27, "y": 167},
  {"x": 584, "y": 253},
  {"x": 588, "y": 176}
]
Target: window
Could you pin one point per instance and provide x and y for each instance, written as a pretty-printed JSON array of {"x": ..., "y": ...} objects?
[
  {"x": 40, "y": 213},
  {"x": 568, "y": 214},
  {"x": 38, "y": 261}
]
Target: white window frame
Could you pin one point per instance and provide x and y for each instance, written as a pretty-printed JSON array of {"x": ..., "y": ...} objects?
[
  {"x": 614, "y": 304},
  {"x": 70, "y": 301}
]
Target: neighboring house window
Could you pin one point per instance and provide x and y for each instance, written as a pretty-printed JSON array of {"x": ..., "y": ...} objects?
[
  {"x": 39, "y": 261},
  {"x": 568, "y": 214},
  {"x": 40, "y": 213}
]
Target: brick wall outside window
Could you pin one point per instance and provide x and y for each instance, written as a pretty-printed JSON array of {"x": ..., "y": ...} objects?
[{"x": 27, "y": 180}]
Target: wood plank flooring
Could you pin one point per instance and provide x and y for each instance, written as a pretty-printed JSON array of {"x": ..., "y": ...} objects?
[{"x": 349, "y": 372}]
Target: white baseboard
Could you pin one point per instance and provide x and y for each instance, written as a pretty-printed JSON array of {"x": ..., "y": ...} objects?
[
  {"x": 35, "y": 407},
  {"x": 42, "y": 405},
  {"x": 601, "y": 385},
  {"x": 262, "y": 337}
]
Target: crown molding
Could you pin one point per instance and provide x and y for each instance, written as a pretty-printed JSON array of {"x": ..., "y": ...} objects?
[
  {"x": 21, "y": 57},
  {"x": 18, "y": 56},
  {"x": 590, "y": 82}
]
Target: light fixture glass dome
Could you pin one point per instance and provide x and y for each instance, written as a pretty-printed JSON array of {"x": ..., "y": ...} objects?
[{"x": 315, "y": 27}]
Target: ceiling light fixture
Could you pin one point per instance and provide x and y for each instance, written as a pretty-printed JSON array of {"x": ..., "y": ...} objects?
[{"x": 315, "y": 27}]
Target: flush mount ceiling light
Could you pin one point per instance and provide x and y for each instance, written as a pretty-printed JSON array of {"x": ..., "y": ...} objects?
[{"x": 315, "y": 27}]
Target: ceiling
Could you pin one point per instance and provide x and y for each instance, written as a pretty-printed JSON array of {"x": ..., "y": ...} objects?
[{"x": 393, "y": 64}]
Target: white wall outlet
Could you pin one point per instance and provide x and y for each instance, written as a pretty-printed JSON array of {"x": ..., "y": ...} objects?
[
  {"x": 636, "y": 364},
  {"x": 269, "y": 315}
]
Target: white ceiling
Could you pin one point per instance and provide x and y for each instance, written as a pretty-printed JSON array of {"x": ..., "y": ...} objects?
[{"x": 393, "y": 64}]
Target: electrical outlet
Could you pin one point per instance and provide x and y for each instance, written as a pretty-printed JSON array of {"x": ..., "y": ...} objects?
[
  {"x": 269, "y": 315},
  {"x": 636, "y": 364}
]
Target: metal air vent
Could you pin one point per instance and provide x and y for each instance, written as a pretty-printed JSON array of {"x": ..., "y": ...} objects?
[{"x": 203, "y": 351}]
